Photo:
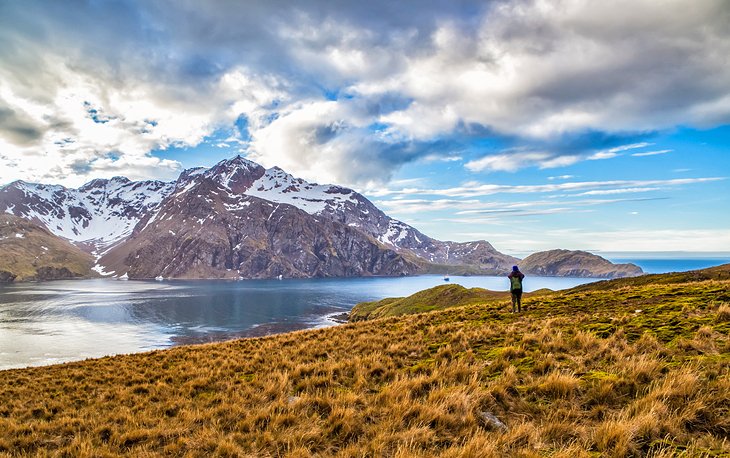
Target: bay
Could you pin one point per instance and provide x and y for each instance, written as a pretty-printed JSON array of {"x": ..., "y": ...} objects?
[{"x": 60, "y": 321}]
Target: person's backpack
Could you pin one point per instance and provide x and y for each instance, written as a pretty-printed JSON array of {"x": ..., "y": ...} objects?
[{"x": 515, "y": 282}]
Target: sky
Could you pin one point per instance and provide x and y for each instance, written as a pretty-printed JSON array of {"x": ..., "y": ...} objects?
[{"x": 602, "y": 126}]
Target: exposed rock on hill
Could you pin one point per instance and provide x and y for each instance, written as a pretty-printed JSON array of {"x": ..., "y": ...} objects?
[
  {"x": 565, "y": 263},
  {"x": 30, "y": 252}
]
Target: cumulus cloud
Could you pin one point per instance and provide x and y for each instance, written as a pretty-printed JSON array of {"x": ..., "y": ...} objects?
[{"x": 349, "y": 91}]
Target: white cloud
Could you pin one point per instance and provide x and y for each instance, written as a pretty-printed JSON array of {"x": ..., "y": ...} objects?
[
  {"x": 619, "y": 149},
  {"x": 479, "y": 189},
  {"x": 700, "y": 240},
  {"x": 542, "y": 70},
  {"x": 652, "y": 153},
  {"x": 511, "y": 161},
  {"x": 602, "y": 192},
  {"x": 602, "y": 155},
  {"x": 133, "y": 118},
  {"x": 561, "y": 177},
  {"x": 529, "y": 70}
]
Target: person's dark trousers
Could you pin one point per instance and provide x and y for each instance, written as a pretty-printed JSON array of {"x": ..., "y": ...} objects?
[{"x": 517, "y": 300}]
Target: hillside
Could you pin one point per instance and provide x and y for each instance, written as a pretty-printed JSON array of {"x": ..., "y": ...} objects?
[
  {"x": 615, "y": 369},
  {"x": 437, "y": 298},
  {"x": 566, "y": 263},
  {"x": 30, "y": 252}
]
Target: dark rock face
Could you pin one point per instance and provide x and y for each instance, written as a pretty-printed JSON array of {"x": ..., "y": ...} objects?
[
  {"x": 564, "y": 263},
  {"x": 54, "y": 273},
  {"x": 6, "y": 277}
]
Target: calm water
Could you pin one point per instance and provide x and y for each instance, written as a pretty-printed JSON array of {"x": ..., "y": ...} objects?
[
  {"x": 663, "y": 265},
  {"x": 46, "y": 323}
]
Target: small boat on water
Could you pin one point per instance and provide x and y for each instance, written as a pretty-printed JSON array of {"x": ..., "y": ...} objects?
[
  {"x": 159, "y": 278},
  {"x": 446, "y": 277},
  {"x": 279, "y": 277}
]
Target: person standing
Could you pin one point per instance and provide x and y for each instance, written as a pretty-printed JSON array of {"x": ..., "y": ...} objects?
[{"x": 515, "y": 287}]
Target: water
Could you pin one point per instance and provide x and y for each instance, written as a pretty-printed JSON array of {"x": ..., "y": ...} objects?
[
  {"x": 46, "y": 323},
  {"x": 663, "y": 265}
]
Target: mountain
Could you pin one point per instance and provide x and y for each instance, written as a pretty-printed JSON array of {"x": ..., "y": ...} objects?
[
  {"x": 94, "y": 216},
  {"x": 345, "y": 206},
  {"x": 565, "y": 263},
  {"x": 31, "y": 252},
  {"x": 239, "y": 219},
  {"x": 205, "y": 230}
]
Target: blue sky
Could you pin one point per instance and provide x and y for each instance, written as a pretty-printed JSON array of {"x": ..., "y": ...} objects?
[{"x": 533, "y": 125}]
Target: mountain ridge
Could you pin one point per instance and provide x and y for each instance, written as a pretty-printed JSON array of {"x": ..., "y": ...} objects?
[{"x": 203, "y": 221}]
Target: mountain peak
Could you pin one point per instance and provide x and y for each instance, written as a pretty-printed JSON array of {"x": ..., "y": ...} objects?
[{"x": 236, "y": 174}]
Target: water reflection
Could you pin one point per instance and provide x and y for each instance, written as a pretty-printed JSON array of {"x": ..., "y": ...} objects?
[{"x": 70, "y": 320}]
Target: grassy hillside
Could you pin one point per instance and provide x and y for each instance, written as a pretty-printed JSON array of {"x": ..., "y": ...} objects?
[
  {"x": 620, "y": 369},
  {"x": 437, "y": 298},
  {"x": 30, "y": 252}
]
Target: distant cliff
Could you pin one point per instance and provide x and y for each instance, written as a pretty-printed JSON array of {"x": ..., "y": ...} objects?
[{"x": 565, "y": 263}]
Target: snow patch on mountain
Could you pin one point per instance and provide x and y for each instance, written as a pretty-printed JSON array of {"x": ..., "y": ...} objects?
[
  {"x": 278, "y": 186},
  {"x": 396, "y": 233}
]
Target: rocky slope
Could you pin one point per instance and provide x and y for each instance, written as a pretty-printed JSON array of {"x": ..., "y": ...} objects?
[
  {"x": 565, "y": 263},
  {"x": 30, "y": 252}
]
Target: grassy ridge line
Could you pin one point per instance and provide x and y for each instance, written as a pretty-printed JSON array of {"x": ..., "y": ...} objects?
[
  {"x": 436, "y": 298},
  {"x": 635, "y": 370}
]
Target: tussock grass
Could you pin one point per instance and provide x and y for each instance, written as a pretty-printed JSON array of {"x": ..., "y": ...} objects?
[{"x": 582, "y": 373}]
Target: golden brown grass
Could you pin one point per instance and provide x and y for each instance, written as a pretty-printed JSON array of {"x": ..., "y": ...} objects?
[{"x": 581, "y": 374}]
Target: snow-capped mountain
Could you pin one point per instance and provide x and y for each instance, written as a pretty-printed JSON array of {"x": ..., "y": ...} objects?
[
  {"x": 348, "y": 207},
  {"x": 95, "y": 216},
  {"x": 237, "y": 219},
  {"x": 205, "y": 230}
]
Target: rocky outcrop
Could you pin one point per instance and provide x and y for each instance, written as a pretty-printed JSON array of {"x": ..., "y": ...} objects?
[
  {"x": 55, "y": 273},
  {"x": 565, "y": 263},
  {"x": 7, "y": 277}
]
